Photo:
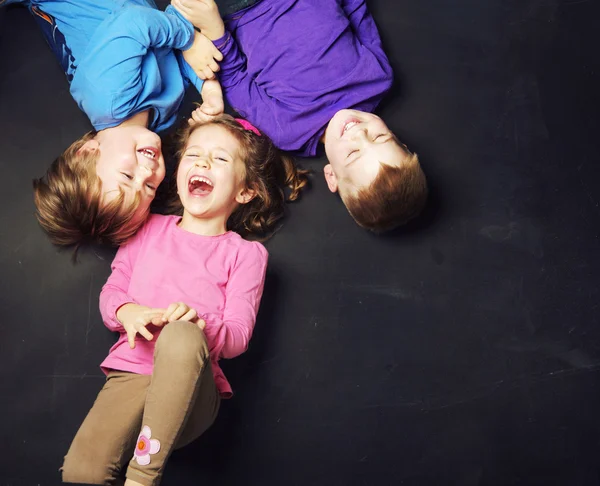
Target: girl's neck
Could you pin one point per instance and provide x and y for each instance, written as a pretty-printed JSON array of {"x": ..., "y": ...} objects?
[{"x": 204, "y": 227}]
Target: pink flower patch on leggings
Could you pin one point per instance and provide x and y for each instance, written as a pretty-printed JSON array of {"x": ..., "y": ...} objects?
[{"x": 145, "y": 446}]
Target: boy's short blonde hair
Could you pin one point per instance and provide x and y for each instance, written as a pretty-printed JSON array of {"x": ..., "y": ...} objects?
[
  {"x": 69, "y": 202},
  {"x": 396, "y": 195}
]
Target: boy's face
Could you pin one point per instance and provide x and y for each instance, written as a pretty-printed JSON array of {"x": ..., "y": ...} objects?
[
  {"x": 356, "y": 144},
  {"x": 129, "y": 159}
]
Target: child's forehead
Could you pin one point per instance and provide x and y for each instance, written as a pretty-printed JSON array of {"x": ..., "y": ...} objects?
[
  {"x": 212, "y": 133},
  {"x": 211, "y": 137}
]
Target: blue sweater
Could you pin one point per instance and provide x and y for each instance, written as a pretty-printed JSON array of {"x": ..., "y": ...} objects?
[{"x": 125, "y": 58}]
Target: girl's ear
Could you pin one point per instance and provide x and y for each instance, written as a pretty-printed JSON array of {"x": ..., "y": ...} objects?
[{"x": 245, "y": 196}]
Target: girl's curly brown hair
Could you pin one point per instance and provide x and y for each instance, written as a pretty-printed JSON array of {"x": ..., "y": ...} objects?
[{"x": 269, "y": 172}]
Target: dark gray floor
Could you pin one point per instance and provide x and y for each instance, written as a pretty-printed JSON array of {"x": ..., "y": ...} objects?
[{"x": 463, "y": 351}]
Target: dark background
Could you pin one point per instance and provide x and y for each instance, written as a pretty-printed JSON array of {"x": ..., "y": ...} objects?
[{"x": 463, "y": 350}]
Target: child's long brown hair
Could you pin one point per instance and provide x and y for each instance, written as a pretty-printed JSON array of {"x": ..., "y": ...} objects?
[{"x": 269, "y": 172}]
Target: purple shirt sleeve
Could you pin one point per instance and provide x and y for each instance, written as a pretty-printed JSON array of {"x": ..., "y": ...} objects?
[
  {"x": 363, "y": 24},
  {"x": 244, "y": 94},
  {"x": 242, "y": 299}
]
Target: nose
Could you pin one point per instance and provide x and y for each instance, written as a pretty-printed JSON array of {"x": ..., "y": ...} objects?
[
  {"x": 142, "y": 174},
  {"x": 360, "y": 134},
  {"x": 148, "y": 164},
  {"x": 203, "y": 163},
  {"x": 145, "y": 170}
]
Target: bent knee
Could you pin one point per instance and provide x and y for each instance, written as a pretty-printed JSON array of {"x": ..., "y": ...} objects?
[
  {"x": 79, "y": 469},
  {"x": 182, "y": 341}
]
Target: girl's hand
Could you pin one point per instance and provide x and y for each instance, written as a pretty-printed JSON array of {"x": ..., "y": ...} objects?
[
  {"x": 179, "y": 311},
  {"x": 203, "y": 14},
  {"x": 203, "y": 57},
  {"x": 135, "y": 318}
]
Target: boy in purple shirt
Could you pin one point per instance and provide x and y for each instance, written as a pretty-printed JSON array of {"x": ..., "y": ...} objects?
[{"x": 310, "y": 71}]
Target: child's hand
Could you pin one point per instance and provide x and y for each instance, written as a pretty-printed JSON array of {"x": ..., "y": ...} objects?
[
  {"x": 135, "y": 318},
  {"x": 179, "y": 311},
  {"x": 204, "y": 15},
  {"x": 212, "y": 103},
  {"x": 203, "y": 56}
]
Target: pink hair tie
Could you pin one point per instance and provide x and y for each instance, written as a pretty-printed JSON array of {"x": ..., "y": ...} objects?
[{"x": 247, "y": 125}]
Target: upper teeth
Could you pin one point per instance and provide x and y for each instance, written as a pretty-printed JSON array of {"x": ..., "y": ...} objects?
[
  {"x": 201, "y": 179},
  {"x": 349, "y": 126},
  {"x": 147, "y": 153}
]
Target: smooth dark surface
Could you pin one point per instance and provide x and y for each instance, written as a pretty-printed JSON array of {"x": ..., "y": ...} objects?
[{"x": 464, "y": 350}]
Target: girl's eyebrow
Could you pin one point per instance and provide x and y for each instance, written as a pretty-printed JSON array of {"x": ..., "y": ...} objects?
[{"x": 216, "y": 148}]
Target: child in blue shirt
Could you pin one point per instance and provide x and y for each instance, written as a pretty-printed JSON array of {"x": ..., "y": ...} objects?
[{"x": 128, "y": 65}]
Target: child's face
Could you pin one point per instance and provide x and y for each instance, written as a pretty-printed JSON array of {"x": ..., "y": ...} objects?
[
  {"x": 211, "y": 174},
  {"x": 356, "y": 144},
  {"x": 129, "y": 159}
]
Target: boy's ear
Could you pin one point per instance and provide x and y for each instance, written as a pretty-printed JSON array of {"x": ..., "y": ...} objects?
[
  {"x": 331, "y": 178},
  {"x": 245, "y": 196},
  {"x": 89, "y": 146}
]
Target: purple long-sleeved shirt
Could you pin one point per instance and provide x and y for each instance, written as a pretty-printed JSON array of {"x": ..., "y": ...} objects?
[{"x": 289, "y": 65}]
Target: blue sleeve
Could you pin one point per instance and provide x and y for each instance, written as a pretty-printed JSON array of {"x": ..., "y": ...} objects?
[
  {"x": 118, "y": 51},
  {"x": 188, "y": 73}
]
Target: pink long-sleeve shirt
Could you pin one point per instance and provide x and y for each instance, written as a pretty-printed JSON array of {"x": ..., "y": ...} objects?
[{"x": 222, "y": 277}]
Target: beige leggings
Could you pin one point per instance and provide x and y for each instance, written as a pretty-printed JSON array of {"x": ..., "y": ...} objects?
[{"x": 138, "y": 420}]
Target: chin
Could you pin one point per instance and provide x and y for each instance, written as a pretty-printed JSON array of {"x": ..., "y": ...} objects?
[
  {"x": 338, "y": 119},
  {"x": 196, "y": 212},
  {"x": 200, "y": 214}
]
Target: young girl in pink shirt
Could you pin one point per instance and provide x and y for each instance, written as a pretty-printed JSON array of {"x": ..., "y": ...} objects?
[{"x": 183, "y": 293}]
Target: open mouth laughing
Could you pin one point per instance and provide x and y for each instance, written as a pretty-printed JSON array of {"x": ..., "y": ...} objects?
[{"x": 199, "y": 185}]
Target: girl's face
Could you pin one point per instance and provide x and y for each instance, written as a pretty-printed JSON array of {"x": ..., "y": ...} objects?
[{"x": 211, "y": 174}]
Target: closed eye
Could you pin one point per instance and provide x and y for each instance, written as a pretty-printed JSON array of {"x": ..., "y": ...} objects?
[
  {"x": 129, "y": 176},
  {"x": 150, "y": 186},
  {"x": 353, "y": 152}
]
